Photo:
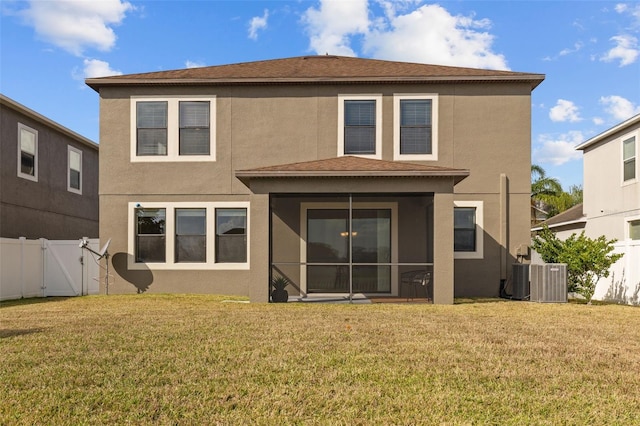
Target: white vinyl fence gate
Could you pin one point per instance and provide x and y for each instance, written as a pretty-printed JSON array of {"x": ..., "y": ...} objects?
[{"x": 42, "y": 268}]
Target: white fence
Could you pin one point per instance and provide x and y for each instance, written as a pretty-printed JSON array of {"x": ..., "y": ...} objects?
[
  {"x": 42, "y": 268},
  {"x": 623, "y": 283}
]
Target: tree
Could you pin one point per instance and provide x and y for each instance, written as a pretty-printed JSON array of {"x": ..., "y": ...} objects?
[
  {"x": 587, "y": 259},
  {"x": 548, "y": 195}
]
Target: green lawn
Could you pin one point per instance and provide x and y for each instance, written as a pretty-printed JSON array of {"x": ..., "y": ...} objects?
[{"x": 203, "y": 360}]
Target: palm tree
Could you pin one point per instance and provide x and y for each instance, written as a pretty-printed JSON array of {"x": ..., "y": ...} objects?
[
  {"x": 543, "y": 186},
  {"x": 547, "y": 193}
]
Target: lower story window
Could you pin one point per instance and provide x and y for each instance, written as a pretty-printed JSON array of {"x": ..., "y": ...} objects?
[
  {"x": 464, "y": 229},
  {"x": 634, "y": 229},
  {"x": 231, "y": 235},
  {"x": 150, "y": 235},
  {"x": 468, "y": 232},
  {"x": 185, "y": 235},
  {"x": 191, "y": 235}
]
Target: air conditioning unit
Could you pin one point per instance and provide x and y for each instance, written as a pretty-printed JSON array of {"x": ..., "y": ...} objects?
[
  {"x": 520, "y": 280},
  {"x": 548, "y": 282}
]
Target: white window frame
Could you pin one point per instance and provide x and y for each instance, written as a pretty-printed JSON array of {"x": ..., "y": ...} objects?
[
  {"x": 71, "y": 149},
  {"x": 173, "y": 129},
  {"x": 170, "y": 236},
  {"x": 479, "y": 252},
  {"x": 397, "y": 97},
  {"x": 627, "y": 223},
  {"x": 636, "y": 136},
  {"x": 26, "y": 128},
  {"x": 371, "y": 97}
]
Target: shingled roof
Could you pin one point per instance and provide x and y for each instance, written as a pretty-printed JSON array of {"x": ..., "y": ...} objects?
[
  {"x": 316, "y": 70},
  {"x": 349, "y": 166}
]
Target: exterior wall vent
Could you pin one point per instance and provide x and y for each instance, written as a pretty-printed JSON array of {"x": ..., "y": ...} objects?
[
  {"x": 520, "y": 280},
  {"x": 549, "y": 283}
]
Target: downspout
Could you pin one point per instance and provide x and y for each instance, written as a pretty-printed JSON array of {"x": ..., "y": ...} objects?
[
  {"x": 504, "y": 232},
  {"x": 350, "y": 248}
]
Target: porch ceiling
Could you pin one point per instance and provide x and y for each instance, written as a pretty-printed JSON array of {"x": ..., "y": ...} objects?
[{"x": 351, "y": 167}]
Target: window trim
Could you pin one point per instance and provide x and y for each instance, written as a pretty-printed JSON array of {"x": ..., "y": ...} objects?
[
  {"x": 627, "y": 224},
  {"x": 479, "y": 252},
  {"x": 635, "y": 135},
  {"x": 170, "y": 233},
  {"x": 397, "y": 97},
  {"x": 33, "y": 177},
  {"x": 173, "y": 129},
  {"x": 71, "y": 149},
  {"x": 364, "y": 97}
]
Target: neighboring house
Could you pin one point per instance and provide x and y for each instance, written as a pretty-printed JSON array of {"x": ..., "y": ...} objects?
[
  {"x": 612, "y": 181},
  {"x": 612, "y": 203},
  {"x": 538, "y": 215},
  {"x": 49, "y": 177},
  {"x": 566, "y": 223},
  {"x": 344, "y": 175}
]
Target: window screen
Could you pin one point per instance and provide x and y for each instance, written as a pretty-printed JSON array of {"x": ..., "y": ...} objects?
[
  {"x": 629, "y": 158},
  {"x": 231, "y": 235},
  {"x": 191, "y": 235},
  {"x": 194, "y": 128},
  {"x": 464, "y": 229},
  {"x": 151, "y": 121},
  {"x": 634, "y": 229},
  {"x": 150, "y": 235},
  {"x": 75, "y": 168},
  {"x": 360, "y": 127},
  {"x": 28, "y": 149},
  {"x": 415, "y": 126}
]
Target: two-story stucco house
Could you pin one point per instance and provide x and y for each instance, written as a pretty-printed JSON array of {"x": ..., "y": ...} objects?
[
  {"x": 344, "y": 175},
  {"x": 612, "y": 203},
  {"x": 49, "y": 177}
]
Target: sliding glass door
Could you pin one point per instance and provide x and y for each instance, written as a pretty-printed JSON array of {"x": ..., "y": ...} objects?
[{"x": 338, "y": 245}]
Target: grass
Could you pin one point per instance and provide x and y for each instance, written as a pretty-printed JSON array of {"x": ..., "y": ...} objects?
[{"x": 201, "y": 360}]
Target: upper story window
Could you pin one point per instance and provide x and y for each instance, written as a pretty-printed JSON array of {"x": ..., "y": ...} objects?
[
  {"x": 629, "y": 159},
  {"x": 468, "y": 236},
  {"x": 27, "y": 152},
  {"x": 74, "y": 170},
  {"x": 173, "y": 128},
  {"x": 415, "y": 127},
  {"x": 360, "y": 125}
]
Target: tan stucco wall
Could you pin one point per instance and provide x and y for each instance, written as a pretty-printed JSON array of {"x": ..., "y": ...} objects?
[{"x": 485, "y": 128}]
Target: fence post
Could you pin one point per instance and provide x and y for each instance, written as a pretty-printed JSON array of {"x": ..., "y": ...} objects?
[
  {"x": 22, "y": 241},
  {"x": 43, "y": 265}
]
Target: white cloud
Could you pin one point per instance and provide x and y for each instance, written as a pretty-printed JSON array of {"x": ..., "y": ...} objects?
[
  {"x": 564, "y": 111},
  {"x": 194, "y": 64},
  {"x": 75, "y": 25},
  {"x": 633, "y": 10},
  {"x": 331, "y": 25},
  {"x": 258, "y": 23},
  {"x": 96, "y": 68},
  {"x": 427, "y": 34},
  {"x": 619, "y": 108},
  {"x": 558, "y": 150},
  {"x": 598, "y": 121},
  {"x": 626, "y": 50},
  {"x": 431, "y": 34}
]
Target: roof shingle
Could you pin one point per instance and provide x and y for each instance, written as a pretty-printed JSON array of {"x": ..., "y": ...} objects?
[{"x": 315, "y": 69}]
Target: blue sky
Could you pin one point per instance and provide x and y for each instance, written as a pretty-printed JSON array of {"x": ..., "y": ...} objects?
[{"x": 588, "y": 50}]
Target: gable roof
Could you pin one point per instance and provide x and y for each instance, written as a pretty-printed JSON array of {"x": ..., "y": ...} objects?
[
  {"x": 349, "y": 166},
  {"x": 316, "y": 70}
]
